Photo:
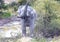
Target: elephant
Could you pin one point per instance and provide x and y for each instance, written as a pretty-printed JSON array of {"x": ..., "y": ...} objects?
[{"x": 28, "y": 17}]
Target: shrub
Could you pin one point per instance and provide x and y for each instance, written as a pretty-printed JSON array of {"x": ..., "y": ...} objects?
[
  {"x": 53, "y": 30},
  {"x": 5, "y": 15},
  {"x": 15, "y": 8}
]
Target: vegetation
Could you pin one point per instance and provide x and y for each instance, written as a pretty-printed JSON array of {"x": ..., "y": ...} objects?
[
  {"x": 48, "y": 11},
  {"x": 48, "y": 15}
]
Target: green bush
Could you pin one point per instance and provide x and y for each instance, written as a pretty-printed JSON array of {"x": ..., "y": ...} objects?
[
  {"x": 55, "y": 23},
  {"x": 15, "y": 8},
  {"x": 39, "y": 40},
  {"x": 5, "y": 15},
  {"x": 53, "y": 30},
  {"x": 5, "y": 7}
]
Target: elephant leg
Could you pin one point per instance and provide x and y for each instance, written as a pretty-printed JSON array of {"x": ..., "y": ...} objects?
[
  {"x": 31, "y": 27},
  {"x": 23, "y": 26}
]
